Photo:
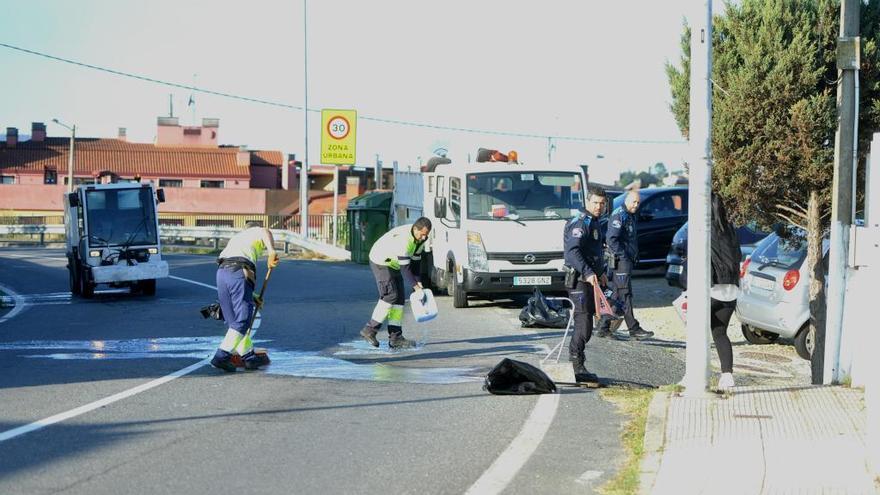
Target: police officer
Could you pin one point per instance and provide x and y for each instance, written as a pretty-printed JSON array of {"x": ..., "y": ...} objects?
[
  {"x": 583, "y": 246},
  {"x": 236, "y": 277},
  {"x": 395, "y": 256},
  {"x": 623, "y": 253}
]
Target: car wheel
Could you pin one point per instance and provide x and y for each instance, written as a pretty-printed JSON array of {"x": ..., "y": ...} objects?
[
  {"x": 148, "y": 287},
  {"x": 805, "y": 342},
  {"x": 459, "y": 296},
  {"x": 757, "y": 336}
]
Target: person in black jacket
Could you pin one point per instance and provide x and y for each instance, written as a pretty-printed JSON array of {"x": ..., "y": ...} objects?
[
  {"x": 726, "y": 256},
  {"x": 583, "y": 243},
  {"x": 623, "y": 247}
]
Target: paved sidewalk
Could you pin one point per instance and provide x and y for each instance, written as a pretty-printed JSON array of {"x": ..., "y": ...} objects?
[{"x": 758, "y": 440}]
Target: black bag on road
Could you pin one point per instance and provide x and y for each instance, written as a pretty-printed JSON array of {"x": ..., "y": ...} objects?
[
  {"x": 511, "y": 377},
  {"x": 539, "y": 312}
]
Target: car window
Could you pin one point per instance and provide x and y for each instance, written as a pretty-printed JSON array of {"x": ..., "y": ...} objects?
[
  {"x": 665, "y": 206},
  {"x": 788, "y": 253}
]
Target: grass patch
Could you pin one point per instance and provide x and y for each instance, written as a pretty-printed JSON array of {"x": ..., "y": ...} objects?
[{"x": 634, "y": 404}]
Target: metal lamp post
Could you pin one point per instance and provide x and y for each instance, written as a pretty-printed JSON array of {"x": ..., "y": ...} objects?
[{"x": 72, "y": 130}]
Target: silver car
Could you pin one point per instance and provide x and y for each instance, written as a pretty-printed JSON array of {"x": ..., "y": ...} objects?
[{"x": 774, "y": 296}]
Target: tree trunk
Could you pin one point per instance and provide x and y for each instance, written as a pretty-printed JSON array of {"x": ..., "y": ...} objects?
[{"x": 817, "y": 286}]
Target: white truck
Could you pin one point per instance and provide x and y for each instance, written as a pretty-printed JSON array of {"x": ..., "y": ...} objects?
[
  {"x": 113, "y": 237},
  {"x": 497, "y": 226}
]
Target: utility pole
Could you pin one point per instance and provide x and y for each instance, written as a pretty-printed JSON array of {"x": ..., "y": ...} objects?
[
  {"x": 699, "y": 272},
  {"x": 72, "y": 129},
  {"x": 825, "y": 363},
  {"x": 304, "y": 170}
]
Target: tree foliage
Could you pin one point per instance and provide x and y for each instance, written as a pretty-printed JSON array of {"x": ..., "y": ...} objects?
[{"x": 774, "y": 103}]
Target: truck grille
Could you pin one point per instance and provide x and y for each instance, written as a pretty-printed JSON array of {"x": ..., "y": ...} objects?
[{"x": 526, "y": 258}]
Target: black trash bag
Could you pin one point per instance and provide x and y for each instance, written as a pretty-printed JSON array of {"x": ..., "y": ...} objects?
[
  {"x": 511, "y": 377},
  {"x": 212, "y": 310},
  {"x": 539, "y": 312}
]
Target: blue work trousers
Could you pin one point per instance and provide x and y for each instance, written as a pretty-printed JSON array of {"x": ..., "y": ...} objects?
[{"x": 236, "y": 296}]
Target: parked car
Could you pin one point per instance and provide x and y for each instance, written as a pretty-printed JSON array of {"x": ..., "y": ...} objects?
[
  {"x": 749, "y": 236},
  {"x": 774, "y": 292},
  {"x": 663, "y": 210}
]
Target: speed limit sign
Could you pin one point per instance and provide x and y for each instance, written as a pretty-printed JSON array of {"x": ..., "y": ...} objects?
[
  {"x": 338, "y": 130},
  {"x": 338, "y": 127}
]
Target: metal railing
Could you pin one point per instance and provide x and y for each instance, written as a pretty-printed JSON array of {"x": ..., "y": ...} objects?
[
  {"x": 320, "y": 226},
  {"x": 214, "y": 234}
]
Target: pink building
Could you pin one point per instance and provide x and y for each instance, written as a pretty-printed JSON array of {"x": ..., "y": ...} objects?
[{"x": 198, "y": 175}]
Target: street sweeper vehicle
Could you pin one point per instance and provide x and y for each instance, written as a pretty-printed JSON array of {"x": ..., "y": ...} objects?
[{"x": 113, "y": 237}]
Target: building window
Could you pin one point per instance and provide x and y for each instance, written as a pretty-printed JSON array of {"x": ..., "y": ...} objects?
[
  {"x": 50, "y": 176},
  {"x": 210, "y": 222},
  {"x": 171, "y": 183},
  {"x": 7, "y": 179},
  {"x": 171, "y": 221},
  {"x": 217, "y": 184},
  {"x": 258, "y": 222},
  {"x": 80, "y": 180}
]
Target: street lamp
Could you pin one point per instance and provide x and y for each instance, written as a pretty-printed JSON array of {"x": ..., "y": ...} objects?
[{"x": 72, "y": 130}]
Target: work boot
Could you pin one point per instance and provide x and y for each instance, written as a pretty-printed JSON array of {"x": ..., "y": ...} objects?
[
  {"x": 581, "y": 374},
  {"x": 223, "y": 361},
  {"x": 397, "y": 341},
  {"x": 640, "y": 333},
  {"x": 253, "y": 361},
  {"x": 370, "y": 336}
]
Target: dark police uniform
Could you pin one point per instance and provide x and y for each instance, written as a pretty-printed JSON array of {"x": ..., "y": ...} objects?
[
  {"x": 623, "y": 243},
  {"x": 583, "y": 250}
]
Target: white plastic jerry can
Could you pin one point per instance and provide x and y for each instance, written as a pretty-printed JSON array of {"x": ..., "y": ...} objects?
[{"x": 423, "y": 309}]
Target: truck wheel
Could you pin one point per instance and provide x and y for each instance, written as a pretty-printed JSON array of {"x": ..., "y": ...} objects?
[
  {"x": 459, "y": 296},
  {"x": 148, "y": 287},
  {"x": 86, "y": 288},
  {"x": 805, "y": 342},
  {"x": 73, "y": 279}
]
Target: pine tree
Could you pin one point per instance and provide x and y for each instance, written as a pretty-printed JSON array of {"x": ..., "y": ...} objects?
[{"x": 774, "y": 112}]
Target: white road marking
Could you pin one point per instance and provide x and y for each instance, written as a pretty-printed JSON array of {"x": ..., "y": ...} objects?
[
  {"x": 192, "y": 282},
  {"x": 51, "y": 420},
  {"x": 508, "y": 464},
  {"x": 20, "y": 303}
]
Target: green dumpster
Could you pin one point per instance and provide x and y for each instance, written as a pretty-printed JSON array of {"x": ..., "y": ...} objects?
[{"x": 367, "y": 216}]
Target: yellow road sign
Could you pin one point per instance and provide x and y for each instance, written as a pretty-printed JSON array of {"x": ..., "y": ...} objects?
[{"x": 338, "y": 130}]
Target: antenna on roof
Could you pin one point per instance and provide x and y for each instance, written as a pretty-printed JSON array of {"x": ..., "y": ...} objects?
[{"x": 170, "y": 105}]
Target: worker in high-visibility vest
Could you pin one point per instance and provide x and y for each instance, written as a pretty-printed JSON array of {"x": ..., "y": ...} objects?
[
  {"x": 394, "y": 257},
  {"x": 236, "y": 278}
]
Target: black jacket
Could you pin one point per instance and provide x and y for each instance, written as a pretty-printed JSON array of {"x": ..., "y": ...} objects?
[{"x": 726, "y": 254}]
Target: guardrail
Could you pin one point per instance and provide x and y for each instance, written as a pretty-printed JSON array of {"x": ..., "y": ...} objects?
[{"x": 213, "y": 233}]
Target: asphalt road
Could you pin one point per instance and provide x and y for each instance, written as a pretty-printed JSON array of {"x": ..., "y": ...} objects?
[{"x": 329, "y": 415}]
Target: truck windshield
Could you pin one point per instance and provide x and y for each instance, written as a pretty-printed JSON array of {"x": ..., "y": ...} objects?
[
  {"x": 523, "y": 195},
  {"x": 121, "y": 217}
]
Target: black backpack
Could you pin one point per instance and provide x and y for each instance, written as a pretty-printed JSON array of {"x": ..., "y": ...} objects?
[{"x": 511, "y": 377}]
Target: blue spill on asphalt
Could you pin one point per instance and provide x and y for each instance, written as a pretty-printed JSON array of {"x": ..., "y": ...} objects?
[
  {"x": 313, "y": 365},
  {"x": 360, "y": 347},
  {"x": 290, "y": 363}
]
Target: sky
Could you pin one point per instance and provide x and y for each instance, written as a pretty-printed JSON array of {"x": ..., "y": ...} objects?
[{"x": 592, "y": 70}]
